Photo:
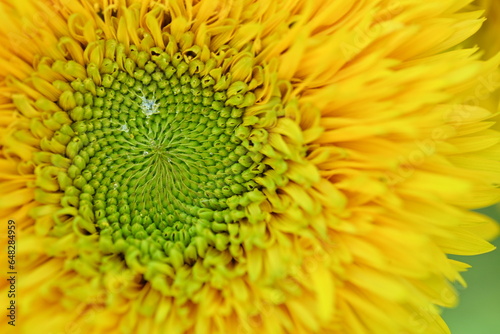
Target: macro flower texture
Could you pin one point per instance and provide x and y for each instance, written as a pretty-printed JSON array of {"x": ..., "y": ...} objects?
[{"x": 244, "y": 166}]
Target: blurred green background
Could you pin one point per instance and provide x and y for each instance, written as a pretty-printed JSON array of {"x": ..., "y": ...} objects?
[{"x": 479, "y": 308}]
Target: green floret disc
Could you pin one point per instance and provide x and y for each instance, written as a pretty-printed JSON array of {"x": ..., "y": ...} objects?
[{"x": 163, "y": 158}]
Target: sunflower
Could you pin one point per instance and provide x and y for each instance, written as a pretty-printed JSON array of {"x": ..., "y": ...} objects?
[{"x": 243, "y": 166}]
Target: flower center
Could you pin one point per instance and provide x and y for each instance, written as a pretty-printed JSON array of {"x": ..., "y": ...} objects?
[{"x": 163, "y": 158}]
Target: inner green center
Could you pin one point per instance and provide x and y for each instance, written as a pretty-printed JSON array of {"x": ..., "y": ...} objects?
[{"x": 163, "y": 160}]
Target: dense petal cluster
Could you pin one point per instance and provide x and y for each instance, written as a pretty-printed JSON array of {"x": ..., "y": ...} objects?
[{"x": 244, "y": 166}]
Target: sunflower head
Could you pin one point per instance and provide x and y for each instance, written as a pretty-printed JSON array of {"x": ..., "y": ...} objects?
[{"x": 243, "y": 166}]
